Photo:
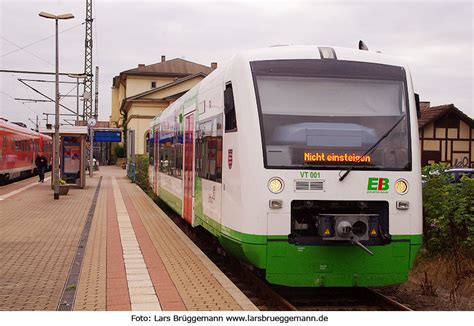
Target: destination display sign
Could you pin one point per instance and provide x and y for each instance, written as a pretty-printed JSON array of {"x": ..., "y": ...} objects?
[{"x": 334, "y": 157}]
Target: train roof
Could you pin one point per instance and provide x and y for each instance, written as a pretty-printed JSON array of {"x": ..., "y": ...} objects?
[
  {"x": 18, "y": 129},
  {"x": 313, "y": 52},
  {"x": 288, "y": 52}
]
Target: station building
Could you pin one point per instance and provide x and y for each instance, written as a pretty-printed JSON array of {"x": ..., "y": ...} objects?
[
  {"x": 141, "y": 93},
  {"x": 446, "y": 135}
]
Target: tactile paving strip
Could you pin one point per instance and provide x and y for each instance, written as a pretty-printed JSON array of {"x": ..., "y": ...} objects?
[{"x": 91, "y": 291}]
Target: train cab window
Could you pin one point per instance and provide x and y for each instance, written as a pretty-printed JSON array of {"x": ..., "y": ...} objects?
[{"x": 229, "y": 109}]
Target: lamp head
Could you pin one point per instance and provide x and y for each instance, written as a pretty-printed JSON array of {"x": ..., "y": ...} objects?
[{"x": 51, "y": 16}]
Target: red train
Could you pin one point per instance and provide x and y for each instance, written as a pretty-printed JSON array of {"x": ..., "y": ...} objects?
[{"x": 19, "y": 147}]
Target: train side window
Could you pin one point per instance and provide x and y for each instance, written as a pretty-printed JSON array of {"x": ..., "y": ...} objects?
[
  {"x": 171, "y": 148},
  {"x": 208, "y": 153},
  {"x": 229, "y": 109}
]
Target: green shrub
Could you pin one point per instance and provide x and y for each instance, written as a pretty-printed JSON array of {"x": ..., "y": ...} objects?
[
  {"x": 448, "y": 210},
  {"x": 119, "y": 151},
  {"x": 141, "y": 172}
]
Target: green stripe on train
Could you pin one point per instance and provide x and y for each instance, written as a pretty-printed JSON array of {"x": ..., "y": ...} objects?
[
  {"x": 292, "y": 265},
  {"x": 174, "y": 202}
]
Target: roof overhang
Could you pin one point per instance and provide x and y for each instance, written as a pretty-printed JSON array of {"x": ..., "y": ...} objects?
[{"x": 66, "y": 130}]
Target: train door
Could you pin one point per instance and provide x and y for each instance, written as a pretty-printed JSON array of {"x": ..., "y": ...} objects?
[
  {"x": 188, "y": 176},
  {"x": 157, "y": 158},
  {"x": 3, "y": 150}
]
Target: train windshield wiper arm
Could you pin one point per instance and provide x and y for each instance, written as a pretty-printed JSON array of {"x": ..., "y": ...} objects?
[{"x": 372, "y": 148}]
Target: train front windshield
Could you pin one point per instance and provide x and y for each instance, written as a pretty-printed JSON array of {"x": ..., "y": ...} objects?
[{"x": 328, "y": 113}]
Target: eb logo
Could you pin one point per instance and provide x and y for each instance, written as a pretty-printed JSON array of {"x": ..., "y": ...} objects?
[{"x": 378, "y": 184}]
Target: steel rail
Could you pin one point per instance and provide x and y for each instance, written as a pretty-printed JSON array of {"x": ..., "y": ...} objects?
[{"x": 390, "y": 301}]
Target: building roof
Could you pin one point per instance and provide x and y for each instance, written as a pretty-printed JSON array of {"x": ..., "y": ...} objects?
[
  {"x": 66, "y": 130},
  {"x": 169, "y": 68},
  {"x": 126, "y": 102},
  {"x": 429, "y": 114},
  {"x": 166, "y": 68},
  {"x": 176, "y": 82}
]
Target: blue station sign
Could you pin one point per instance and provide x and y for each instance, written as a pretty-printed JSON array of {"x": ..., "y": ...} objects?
[{"x": 107, "y": 136}]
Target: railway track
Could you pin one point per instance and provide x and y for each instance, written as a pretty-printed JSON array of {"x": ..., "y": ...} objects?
[
  {"x": 340, "y": 299},
  {"x": 278, "y": 298}
]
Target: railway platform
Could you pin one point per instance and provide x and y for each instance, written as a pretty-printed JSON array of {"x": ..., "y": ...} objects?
[{"x": 107, "y": 247}]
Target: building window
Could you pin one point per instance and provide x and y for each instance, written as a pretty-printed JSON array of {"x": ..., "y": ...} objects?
[{"x": 153, "y": 84}]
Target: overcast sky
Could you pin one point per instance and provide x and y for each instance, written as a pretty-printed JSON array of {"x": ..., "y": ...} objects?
[{"x": 435, "y": 38}]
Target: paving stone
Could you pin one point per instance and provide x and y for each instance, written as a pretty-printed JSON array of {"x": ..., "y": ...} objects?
[
  {"x": 138, "y": 277},
  {"x": 143, "y": 298},
  {"x": 139, "y": 283},
  {"x": 137, "y": 271},
  {"x": 137, "y": 255},
  {"x": 146, "y": 307},
  {"x": 141, "y": 290},
  {"x": 134, "y": 261},
  {"x": 129, "y": 265}
]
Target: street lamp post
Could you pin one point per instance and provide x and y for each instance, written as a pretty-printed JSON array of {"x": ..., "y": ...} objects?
[{"x": 56, "y": 110}]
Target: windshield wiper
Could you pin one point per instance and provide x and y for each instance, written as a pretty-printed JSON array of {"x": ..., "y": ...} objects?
[{"x": 372, "y": 148}]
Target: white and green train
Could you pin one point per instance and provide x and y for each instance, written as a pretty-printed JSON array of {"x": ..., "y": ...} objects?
[{"x": 303, "y": 161}]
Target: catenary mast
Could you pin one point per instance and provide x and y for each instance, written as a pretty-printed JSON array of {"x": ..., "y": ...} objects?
[{"x": 88, "y": 112}]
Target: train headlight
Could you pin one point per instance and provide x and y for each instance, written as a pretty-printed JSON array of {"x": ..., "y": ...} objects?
[
  {"x": 276, "y": 185},
  {"x": 401, "y": 186}
]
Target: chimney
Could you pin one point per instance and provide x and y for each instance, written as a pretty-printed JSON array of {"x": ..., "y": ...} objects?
[
  {"x": 141, "y": 65},
  {"x": 163, "y": 58},
  {"x": 214, "y": 65},
  {"x": 425, "y": 104}
]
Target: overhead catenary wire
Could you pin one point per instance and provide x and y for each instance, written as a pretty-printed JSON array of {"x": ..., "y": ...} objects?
[
  {"x": 42, "y": 94},
  {"x": 8, "y": 95},
  {"x": 64, "y": 95},
  {"x": 29, "y": 52},
  {"x": 39, "y": 41}
]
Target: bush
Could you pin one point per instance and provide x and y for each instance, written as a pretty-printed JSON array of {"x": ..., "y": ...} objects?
[
  {"x": 448, "y": 218},
  {"x": 448, "y": 212},
  {"x": 141, "y": 172},
  {"x": 119, "y": 151}
]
